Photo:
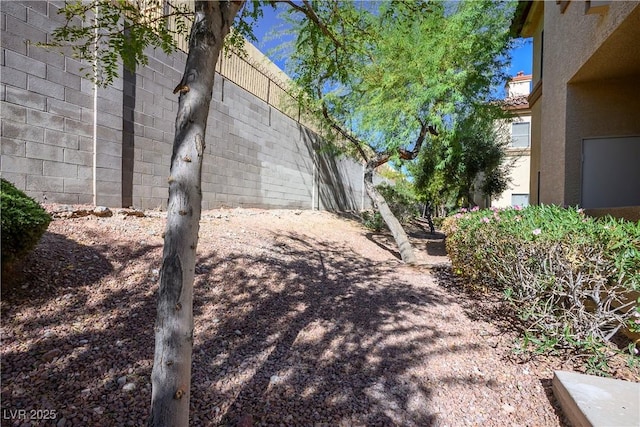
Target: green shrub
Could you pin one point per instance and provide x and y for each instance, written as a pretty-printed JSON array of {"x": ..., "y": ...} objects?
[
  {"x": 571, "y": 279},
  {"x": 372, "y": 220},
  {"x": 23, "y": 223}
]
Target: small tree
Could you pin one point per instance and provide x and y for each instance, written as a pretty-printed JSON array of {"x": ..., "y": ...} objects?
[
  {"x": 383, "y": 76},
  {"x": 469, "y": 159},
  {"x": 102, "y": 32}
]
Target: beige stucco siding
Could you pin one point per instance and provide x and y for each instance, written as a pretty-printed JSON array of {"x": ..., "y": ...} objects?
[
  {"x": 581, "y": 34},
  {"x": 595, "y": 110},
  {"x": 519, "y": 180},
  {"x": 534, "y": 158},
  {"x": 569, "y": 114}
]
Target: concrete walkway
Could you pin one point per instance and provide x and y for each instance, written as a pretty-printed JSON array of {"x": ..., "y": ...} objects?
[{"x": 588, "y": 400}]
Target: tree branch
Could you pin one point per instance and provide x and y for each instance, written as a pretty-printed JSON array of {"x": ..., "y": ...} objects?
[
  {"x": 412, "y": 154},
  {"x": 335, "y": 126},
  {"x": 308, "y": 11}
]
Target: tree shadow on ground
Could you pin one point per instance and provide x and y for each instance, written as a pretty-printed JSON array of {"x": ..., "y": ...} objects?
[
  {"x": 385, "y": 242},
  {"x": 492, "y": 308},
  {"x": 57, "y": 262},
  {"x": 431, "y": 243},
  {"x": 300, "y": 332},
  {"x": 421, "y": 239},
  {"x": 480, "y": 305},
  {"x": 64, "y": 345},
  {"x": 331, "y": 342}
]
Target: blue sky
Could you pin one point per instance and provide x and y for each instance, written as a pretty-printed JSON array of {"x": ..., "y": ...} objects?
[{"x": 522, "y": 55}]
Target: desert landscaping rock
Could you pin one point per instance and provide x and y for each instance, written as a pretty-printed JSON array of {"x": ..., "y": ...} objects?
[
  {"x": 129, "y": 387},
  {"x": 51, "y": 354},
  {"x": 334, "y": 329},
  {"x": 102, "y": 211}
]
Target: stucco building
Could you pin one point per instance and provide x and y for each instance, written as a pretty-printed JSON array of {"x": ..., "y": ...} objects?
[
  {"x": 585, "y": 126},
  {"x": 519, "y": 149}
]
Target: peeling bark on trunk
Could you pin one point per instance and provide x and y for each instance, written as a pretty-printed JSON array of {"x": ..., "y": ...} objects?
[
  {"x": 171, "y": 375},
  {"x": 400, "y": 236}
]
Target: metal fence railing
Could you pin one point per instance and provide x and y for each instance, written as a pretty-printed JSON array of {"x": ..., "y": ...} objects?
[{"x": 245, "y": 71}]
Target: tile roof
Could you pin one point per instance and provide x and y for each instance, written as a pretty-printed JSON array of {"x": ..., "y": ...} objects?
[
  {"x": 519, "y": 102},
  {"x": 521, "y": 77}
]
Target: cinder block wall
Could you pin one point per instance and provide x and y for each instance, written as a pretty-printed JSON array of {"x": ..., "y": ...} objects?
[
  {"x": 65, "y": 141},
  {"x": 47, "y": 127}
]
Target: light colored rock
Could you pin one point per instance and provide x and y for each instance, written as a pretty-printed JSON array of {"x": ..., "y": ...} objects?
[
  {"x": 508, "y": 408},
  {"x": 102, "y": 211},
  {"x": 129, "y": 387}
]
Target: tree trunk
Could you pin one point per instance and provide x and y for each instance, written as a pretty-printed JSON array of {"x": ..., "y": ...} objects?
[
  {"x": 428, "y": 213},
  {"x": 401, "y": 238},
  {"x": 171, "y": 375}
]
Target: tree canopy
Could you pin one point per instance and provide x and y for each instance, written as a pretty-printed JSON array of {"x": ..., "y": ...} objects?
[
  {"x": 468, "y": 160},
  {"x": 382, "y": 73},
  {"x": 106, "y": 34},
  {"x": 394, "y": 79}
]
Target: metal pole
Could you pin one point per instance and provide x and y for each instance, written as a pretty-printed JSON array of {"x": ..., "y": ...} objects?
[{"x": 95, "y": 109}]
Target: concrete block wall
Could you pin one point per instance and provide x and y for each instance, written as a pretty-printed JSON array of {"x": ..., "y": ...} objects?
[
  {"x": 47, "y": 116},
  {"x": 151, "y": 109},
  {"x": 65, "y": 141}
]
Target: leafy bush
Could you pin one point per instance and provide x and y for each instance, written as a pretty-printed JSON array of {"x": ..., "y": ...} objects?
[
  {"x": 23, "y": 223},
  {"x": 572, "y": 280},
  {"x": 401, "y": 201},
  {"x": 372, "y": 220}
]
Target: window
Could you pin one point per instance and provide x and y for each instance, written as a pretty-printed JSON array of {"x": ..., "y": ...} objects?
[
  {"x": 541, "y": 54},
  {"x": 521, "y": 200},
  {"x": 520, "y": 135}
]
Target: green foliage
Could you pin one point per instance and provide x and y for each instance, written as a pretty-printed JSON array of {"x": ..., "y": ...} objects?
[
  {"x": 401, "y": 201},
  {"x": 103, "y": 33},
  {"x": 469, "y": 158},
  {"x": 438, "y": 221},
  {"x": 388, "y": 77},
  {"x": 372, "y": 220},
  {"x": 23, "y": 223},
  {"x": 567, "y": 277},
  {"x": 384, "y": 70}
]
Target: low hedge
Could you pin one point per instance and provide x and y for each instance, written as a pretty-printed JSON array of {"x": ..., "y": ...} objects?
[
  {"x": 23, "y": 223},
  {"x": 572, "y": 280}
]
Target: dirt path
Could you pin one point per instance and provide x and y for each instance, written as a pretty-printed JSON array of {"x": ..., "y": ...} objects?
[{"x": 302, "y": 318}]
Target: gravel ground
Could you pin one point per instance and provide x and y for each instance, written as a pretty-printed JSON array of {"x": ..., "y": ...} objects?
[{"x": 302, "y": 318}]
